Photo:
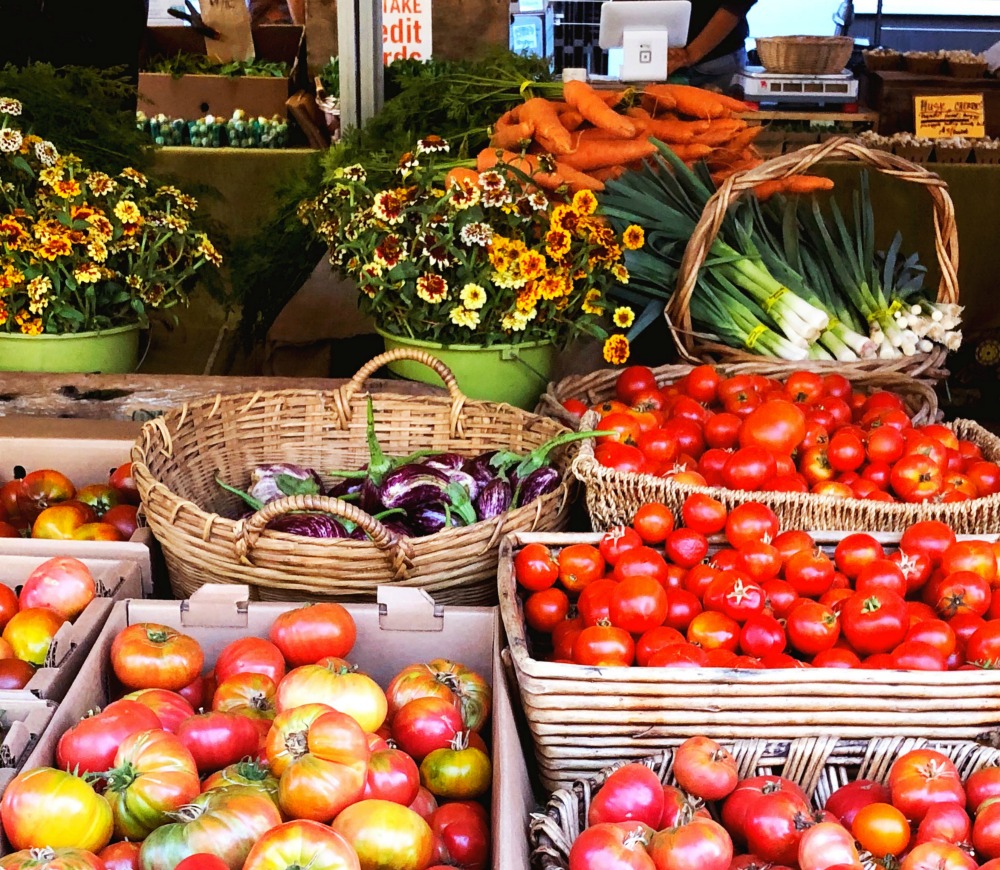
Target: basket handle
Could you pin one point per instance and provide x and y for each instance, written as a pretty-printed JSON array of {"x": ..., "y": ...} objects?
[
  {"x": 355, "y": 384},
  {"x": 678, "y": 308},
  {"x": 248, "y": 531}
]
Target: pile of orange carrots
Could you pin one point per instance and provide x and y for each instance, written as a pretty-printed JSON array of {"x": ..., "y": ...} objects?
[{"x": 591, "y": 136}]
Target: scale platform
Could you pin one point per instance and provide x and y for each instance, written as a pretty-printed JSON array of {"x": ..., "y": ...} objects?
[{"x": 761, "y": 86}]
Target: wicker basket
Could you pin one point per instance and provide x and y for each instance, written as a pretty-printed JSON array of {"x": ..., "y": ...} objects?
[
  {"x": 809, "y": 55},
  {"x": 923, "y": 66},
  {"x": 913, "y": 153},
  {"x": 967, "y": 69},
  {"x": 694, "y": 347},
  {"x": 883, "y": 61},
  {"x": 177, "y": 458},
  {"x": 943, "y": 154},
  {"x": 987, "y": 156},
  {"x": 612, "y": 498},
  {"x": 818, "y": 765},
  {"x": 599, "y": 386},
  {"x": 582, "y": 718}
]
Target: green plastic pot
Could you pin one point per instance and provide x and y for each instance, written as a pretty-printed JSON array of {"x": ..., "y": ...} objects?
[
  {"x": 516, "y": 374},
  {"x": 111, "y": 351}
]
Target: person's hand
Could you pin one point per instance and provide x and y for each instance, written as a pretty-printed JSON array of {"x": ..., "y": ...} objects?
[{"x": 677, "y": 58}]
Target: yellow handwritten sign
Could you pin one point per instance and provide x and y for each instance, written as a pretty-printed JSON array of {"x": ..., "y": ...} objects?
[{"x": 940, "y": 117}]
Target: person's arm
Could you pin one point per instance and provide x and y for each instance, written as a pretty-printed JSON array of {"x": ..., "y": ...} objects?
[{"x": 718, "y": 28}]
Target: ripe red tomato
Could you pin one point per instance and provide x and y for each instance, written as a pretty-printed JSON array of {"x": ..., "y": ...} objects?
[
  {"x": 701, "y": 843},
  {"x": 874, "y": 624},
  {"x": 704, "y": 514},
  {"x": 705, "y": 769},
  {"x": 91, "y": 744},
  {"x": 621, "y": 457},
  {"x": 170, "y": 707},
  {"x": 632, "y": 381},
  {"x": 812, "y": 627},
  {"x": 961, "y": 592},
  {"x": 760, "y": 560},
  {"x": 632, "y": 793},
  {"x": 638, "y": 604},
  {"x": 762, "y": 636},
  {"x": 915, "y": 655},
  {"x": 713, "y": 630},
  {"x": 781, "y": 597},
  {"x": 722, "y": 430},
  {"x": 250, "y": 655},
  {"x": 123, "y": 483},
  {"x": 923, "y": 777},
  {"x": 916, "y": 478},
  {"x": 201, "y": 861},
  {"x": 682, "y": 607},
  {"x": 855, "y": 551},
  {"x": 124, "y": 518},
  {"x": 750, "y": 522},
  {"x": 534, "y": 567},
  {"x": 623, "y": 426},
  {"x": 846, "y": 451},
  {"x": 749, "y": 468},
  {"x": 828, "y": 845},
  {"x": 776, "y": 426},
  {"x": 594, "y": 603},
  {"x": 575, "y": 407},
  {"x": 686, "y": 547},
  {"x": 641, "y": 562},
  {"x": 975, "y": 556},
  {"x": 881, "y": 575},
  {"x": 654, "y": 640},
  {"x": 604, "y": 646},
  {"x": 653, "y": 521},
  {"x": 120, "y": 856},
  {"x": 772, "y": 826},
  {"x": 579, "y": 565},
  {"x": 621, "y": 846},
  {"x": 986, "y": 477},
  {"x": 151, "y": 656},
  {"x": 810, "y": 572},
  {"x": 948, "y": 823},
  {"x": 544, "y": 610},
  {"x": 217, "y": 739},
  {"x": 306, "y": 634},
  {"x": 62, "y": 584},
  {"x": 702, "y": 384},
  {"x": 938, "y": 856},
  {"x": 618, "y": 541},
  {"x": 462, "y": 835}
]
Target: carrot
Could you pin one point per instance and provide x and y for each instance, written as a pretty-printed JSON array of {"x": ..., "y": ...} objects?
[
  {"x": 736, "y": 105},
  {"x": 541, "y": 115},
  {"x": 695, "y": 102},
  {"x": 460, "y": 175},
  {"x": 657, "y": 98},
  {"x": 745, "y": 139},
  {"x": 598, "y": 153},
  {"x": 571, "y": 120},
  {"x": 564, "y": 175},
  {"x": 509, "y": 117},
  {"x": 721, "y": 132},
  {"x": 588, "y": 103},
  {"x": 609, "y": 98},
  {"x": 676, "y": 131},
  {"x": 511, "y": 136},
  {"x": 638, "y": 113},
  {"x": 693, "y": 151},
  {"x": 608, "y": 173},
  {"x": 595, "y": 134},
  {"x": 794, "y": 184}
]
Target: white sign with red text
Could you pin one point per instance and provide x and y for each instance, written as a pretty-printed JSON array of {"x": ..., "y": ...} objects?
[{"x": 406, "y": 29}]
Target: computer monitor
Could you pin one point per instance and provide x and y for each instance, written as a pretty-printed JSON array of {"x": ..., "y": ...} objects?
[{"x": 644, "y": 29}]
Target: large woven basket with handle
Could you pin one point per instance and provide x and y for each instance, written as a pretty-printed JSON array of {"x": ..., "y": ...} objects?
[
  {"x": 696, "y": 347},
  {"x": 599, "y": 386},
  {"x": 178, "y": 457},
  {"x": 818, "y": 765}
]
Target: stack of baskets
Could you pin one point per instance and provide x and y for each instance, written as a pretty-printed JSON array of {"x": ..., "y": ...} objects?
[{"x": 179, "y": 457}]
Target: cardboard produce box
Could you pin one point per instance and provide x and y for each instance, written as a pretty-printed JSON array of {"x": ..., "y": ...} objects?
[
  {"x": 404, "y": 627},
  {"x": 86, "y": 451},
  {"x": 193, "y": 96},
  {"x": 116, "y": 581},
  {"x": 22, "y": 722}
]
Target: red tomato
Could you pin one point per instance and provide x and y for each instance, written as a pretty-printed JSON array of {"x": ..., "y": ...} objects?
[
  {"x": 935, "y": 632},
  {"x": 986, "y": 477},
  {"x": 722, "y": 430},
  {"x": 608, "y": 845},
  {"x": 681, "y": 655},
  {"x": 123, "y": 483},
  {"x": 846, "y": 452},
  {"x": 686, "y": 547},
  {"x": 810, "y": 573},
  {"x": 704, "y": 514},
  {"x": 705, "y": 768},
  {"x": 62, "y": 584},
  {"x": 623, "y": 426},
  {"x": 761, "y": 560},
  {"x": 618, "y": 541},
  {"x": 40, "y": 490},
  {"x": 638, "y": 604},
  {"x": 750, "y": 522},
  {"x": 776, "y": 426},
  {"x": 701, "y": 843},
  {"x": 575, "y": 407},
  {"x": 170, "y": 708},
  {"x": 641, "y": 562},
  {"x": 855, "y": 551},
  {"x": 874, "y": 624},
  {"x": 948, "y": 823},
  {"x": 762, "y": 636},
  {"x": 632, "y": 381},
  {"x": 828, "y": 845},
  {"x": 202, "y": 861},
  {"x": 916, "y": 478},
  {"x": 151, "y": 656},
  {"x": 772, "y": 826},
  {"x": 534, "y": 567},
  {"x": 937, "y": 856},
  {"x": 306, "y": 634},
  {"x": 594, "y": 603},
  {"x": 124, "y": 518},
  {"x": 604, "y": 646},
  {"x": 712, "y": 630},
  {"x": 462, "y": 835},
  {"x": 981, "y": 786},
  {"x": 658, "y": 446},
  {"x": 930, "y": 538},
  {"x": 915, "y": 655},
  {"x": 15, "y": 673},
  {"x": 812, "y": 627},
  {"x": 682, "y": 607},
  {"x": 632, "y": 793},
  {"x": 881, "y": 575},
  {"x": 961, "y": 592},
  {"x": 654, "y": 640},
  {"x": 91, "y": 744},
  {"x": 217, "y": 739},
  {"x": 702, "y": 384},
  {"x": 781, "y": 597},
  {"x": 921, "y": 778},
  {"x": 580, "y": 564},
  {"x": 975, "y": 556},
  {"x": 120, "y": 856},
  {"x": 621, "y": 457},
  {"x": 653, "y": 521},
  {"x": 544, "y": 610},
  {"x": 250, "y": 655}
]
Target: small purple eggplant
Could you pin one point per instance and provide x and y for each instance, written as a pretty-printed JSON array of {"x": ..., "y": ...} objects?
[
  {"x": 350, "y": 487},
  {"x": 494, "y": 499},
  {"x": 479, "y": 468},
  {"x": 540, "y": 482},
  {"x": 426, "y": 519},
  {"x": 445, "y": 462},
  {"x": 308, "y": 525},
  {"x": 270, "y": 482},
  {"x": 412, "y": 485}
]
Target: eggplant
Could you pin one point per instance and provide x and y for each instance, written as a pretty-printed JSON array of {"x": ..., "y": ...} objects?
[
  {"x": 412, "y": 485},
  {"x": 270, "y": 482},
  {"x": 428, "y": 518},
  {"x": 480, "y": 468},
  {"x": 446, "y": 462},
  {"x": 494, "y": 499},
  {"x": 308, "y": 525},
  {"x": 540, "y": 482}
]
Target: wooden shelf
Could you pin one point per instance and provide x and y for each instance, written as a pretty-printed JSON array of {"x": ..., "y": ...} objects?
[{"x": 863, "y": 116}]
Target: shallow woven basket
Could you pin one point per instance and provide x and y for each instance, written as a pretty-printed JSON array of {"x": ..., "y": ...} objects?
[
  {"x": 966, "y": 69},
  {"x": 924, "y": 66},
  {"x": 696, "y": 347},
  {"x": 987, "y": 156},
  {"x": 812, "y": 55},
  {"x": 613, "y": 497},
  {"x": 818, "y": 765},
  {"x": 883, "y": 61},
  {"x": 599, "y": 386},
  {"x": 177, "y": 458}
]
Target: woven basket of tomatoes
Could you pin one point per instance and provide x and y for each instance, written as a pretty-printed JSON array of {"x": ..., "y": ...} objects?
[
  {"x": 820, "y": 452},
  {"x": 622, "y": 643},
  {"x": 811, "y": 803}
]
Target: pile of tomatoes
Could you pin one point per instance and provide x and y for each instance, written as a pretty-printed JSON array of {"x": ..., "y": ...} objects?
[
  {"x": 55, "y": 593},
  {"x": 812, "y": 433},
  {"x": 653, "y": 595},
  {"x": 46, "y": 504},
  {"x": 298, "y": 760},
  {"x": 922, "y": 818}
]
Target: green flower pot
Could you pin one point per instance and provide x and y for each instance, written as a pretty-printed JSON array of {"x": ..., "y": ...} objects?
[
  {"x": 111, "y": 351},
  {"x": 516, "y": 374}
]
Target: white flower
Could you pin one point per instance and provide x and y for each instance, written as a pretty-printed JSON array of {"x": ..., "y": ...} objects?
[
  {"x": 46, "y": 153},
  {"x": 476, "y": 233},
  {"x": 10, "y": 106},
  {"x": 432, "y": 144},
  {"x": 10, "y": 139}
]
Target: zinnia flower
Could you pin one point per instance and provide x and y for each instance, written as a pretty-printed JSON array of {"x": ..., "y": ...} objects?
[
  {"x": 557, "y": 243},
  {"x": 432, "y": 288},
  {"x": 461, "y": 316},
  {"x": 432, "y": 144},
  {"x": 46, "y": 153},
  {"x": 133, "y": 175},
  {"x": 473, "y": 296},
  {"x": 616, "y": 350},
  {"x": 10, "y": 139},
  {"x": 585, "y": 202},
  {"x": 633, "y": 238},
  {"x": 623, "y": 317},
  {"x": 590, "y": 301},
  {"x": 10, "y": 106},
  {"x": 127, "y": 212},
  {"x": 476, "y": 233}
]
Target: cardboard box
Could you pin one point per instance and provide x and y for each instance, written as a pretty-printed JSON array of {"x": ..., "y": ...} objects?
[
  {"x": 404, "y": 627},
  {"x": 86, "y": 451},
  {"x": 23, "y": 721},
  {"x": 116, "y": 581},
  {"x": 193, "y": 96}
]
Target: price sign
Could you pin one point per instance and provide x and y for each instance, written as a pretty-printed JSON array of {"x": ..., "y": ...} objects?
[
  {"x": 941, "y": 117},
  {"x": 232, "y": 19},
  {"x": 406, "y": 29}
]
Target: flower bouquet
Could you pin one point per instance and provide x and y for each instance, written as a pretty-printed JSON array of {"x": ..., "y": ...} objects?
[
  {"x": 468, "y": 258},
  {"x": 82, "y": 251}
]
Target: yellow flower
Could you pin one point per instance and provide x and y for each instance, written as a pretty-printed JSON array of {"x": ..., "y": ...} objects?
[
  {"x": 51, "y": 175},
  {"x": 432, "y": 288},
  {"x": 620, "y": 273},
  {"x": 527, "y": 299},
  {"x": 67, "y": 189},
  {"x": 207, "y": 250},
  {"x": 616, "y": 350},
  {"x": 100, "y": 183},
  {"x": 633, "y": 238},
  {"x": 590, "y": 301},
  {"x": 516, "y": 321},
  {"x": 585, "y": 202},
  {"x": 133, "y": 175},
  {"x": 557, "y": 243},
  {"x": 555, "y": 285},
  {"x": 39, "y": 293},
  {"x": 531, "y": 265},
  {"x": 461, "y": 316},
  {"x": 4, "y": 313},
  {"x": 564, "y": 217},
  {"x": 97, "y": 250},
  {"x": 127, "y": 212},
  {"x": 29, "y": 325},
  {"x": 100, "y": 227},
  {"x": 87, "y": 273},
  {"x": 473, "y": 296},
  {"x": 54, "y": 248},
  {"x": 623, "y": 317}
]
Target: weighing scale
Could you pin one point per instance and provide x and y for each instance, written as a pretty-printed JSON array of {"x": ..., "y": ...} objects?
[{"x": 761, "y": 86}]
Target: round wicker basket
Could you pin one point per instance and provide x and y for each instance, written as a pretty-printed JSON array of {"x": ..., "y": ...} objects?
[
  {"x": 808, "y": 55},
  {"x": 693, "y": 347},
  {"x": 178, "y": 458}
]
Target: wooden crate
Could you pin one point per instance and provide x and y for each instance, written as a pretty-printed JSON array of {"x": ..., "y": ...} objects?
[{"x": 891, "y": 95}]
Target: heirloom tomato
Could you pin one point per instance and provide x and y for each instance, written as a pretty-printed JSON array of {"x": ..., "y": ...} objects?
[
  {"x": 827, "y": 845},
  {"x": 52, "y": 808},
  {"x": 286, "y": 740},
  {"x": 249, "y": 773},
  {"x": 461, "y": 835},
  {"x": 90, "y": 745},
  {"x": 298, "y": 844},
  {"x": 986, "y": 829},
  {"x": 705, "y": 769},
  {"x": 458, "y": 772},
  {"x": 425, "y": 724},
  {"x": 948, "y": 823},
  {"x": 51, "y": 859},
  {"x": 632, "y": 793},
  {"x": 217, "y": 739},
  {"x": 246, "y": 694},
  {"x": 40, "y": 490},
  {"x": 306, "y": 634},
  {"x": 612, "y": 846},
  {"x": 701, "y": 844},
  {"x": 123, "y": 855},
  {"x": 343, "y": 689},
  {"x": 392, "y": 776},
  {"x": 170, "y": 708},
  {"x": 123, "y": 483},
  {"x": 152, "y": 656},
  {"x": 153, "y": 776},
  {"x": 30, "y": 633},
  {"x": 61, "y": 522},
  {"x": 445, "y": 679},
  {"x": 62, "y": 584},
  {"x": 99, "y": 497},
  {"x": 921, "y": 778},
  {"x": 15, "y": 673},
  {"x": 124, "y": 518},
  {"x": 937, "y": 856},
  {"x": 97, "y": 532},
  {"x": 386, "y": 835},
  {"x": 223, "y": 822},
  {"x": 201, "y": 861}
]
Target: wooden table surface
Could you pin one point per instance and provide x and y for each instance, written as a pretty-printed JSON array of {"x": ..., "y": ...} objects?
[{"x": 139, "y": 397}]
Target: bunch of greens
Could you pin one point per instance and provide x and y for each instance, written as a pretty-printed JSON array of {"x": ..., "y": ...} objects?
[
  {"x": 329, "y": 77},
  {"x": 184, "y": 63},
  {"x": 89, "y": 112}
]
